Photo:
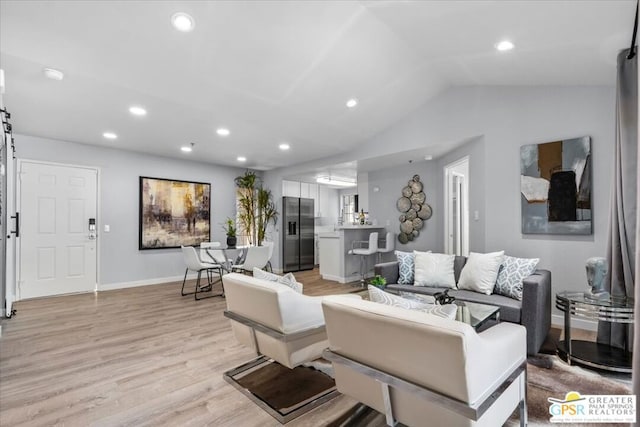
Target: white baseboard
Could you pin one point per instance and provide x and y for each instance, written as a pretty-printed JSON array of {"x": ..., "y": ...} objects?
[
  {"x": 145, "y": 282},
  {"x": 588, "y": 325},
  {"x": 340, "y": 279}
]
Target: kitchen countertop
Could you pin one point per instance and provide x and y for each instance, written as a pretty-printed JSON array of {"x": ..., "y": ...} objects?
[{"x": 359, "y": 227}]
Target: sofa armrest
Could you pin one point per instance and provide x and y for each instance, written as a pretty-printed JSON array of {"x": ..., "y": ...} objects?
[
  {"x": 536, "y": 309},
  {"x": 388, "y": 270}
]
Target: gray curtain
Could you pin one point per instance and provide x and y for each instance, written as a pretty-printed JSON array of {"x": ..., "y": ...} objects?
[{"x": 621, "y": 245}]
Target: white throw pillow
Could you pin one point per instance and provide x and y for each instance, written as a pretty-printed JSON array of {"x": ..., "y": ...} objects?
[
  {"x": 447, "y": 311},
  {"x": 288, "y": 279},
  {"x": 480, "y": 272},
  {"x": 434, "y": 270}
]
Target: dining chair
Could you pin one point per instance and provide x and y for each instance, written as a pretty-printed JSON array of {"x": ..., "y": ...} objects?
[
  {"x": 193, "y": 263},
  {"x": 257, "y": 256},
  {"x": 271, "y": 246}
]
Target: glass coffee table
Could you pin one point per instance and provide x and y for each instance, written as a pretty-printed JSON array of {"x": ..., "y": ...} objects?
[{"x": 475, "y": 314}]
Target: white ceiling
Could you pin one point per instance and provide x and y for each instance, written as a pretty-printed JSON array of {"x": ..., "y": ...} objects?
[{"x": 274, "y": 71}]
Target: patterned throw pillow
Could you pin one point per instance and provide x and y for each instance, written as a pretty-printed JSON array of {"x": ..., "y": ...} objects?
[
  {"x": 512, "y": 272},
  {"x": 288, "y": 279},
  {"x": 405, "y": 267},
  {"x": 434, "y": 270},
  {"x": 447, "y": 311}
]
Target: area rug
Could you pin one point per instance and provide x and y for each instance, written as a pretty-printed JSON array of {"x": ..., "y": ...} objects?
[{"x": 542, "y": 383}]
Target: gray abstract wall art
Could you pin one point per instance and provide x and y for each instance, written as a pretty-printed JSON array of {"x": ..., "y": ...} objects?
[{"x": 555, "y": 187}]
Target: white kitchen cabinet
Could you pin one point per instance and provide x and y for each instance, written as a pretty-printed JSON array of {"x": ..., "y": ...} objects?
[
  {"x": 291, "y": 188},
  {"x": 305, "y": 190}
]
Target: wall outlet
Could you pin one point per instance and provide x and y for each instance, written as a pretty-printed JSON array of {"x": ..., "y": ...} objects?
[
  {"x": 107, "y": 228},
  {"x": 476, "y": 215}
]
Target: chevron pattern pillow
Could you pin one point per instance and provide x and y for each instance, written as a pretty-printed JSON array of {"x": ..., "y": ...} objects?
[
  {"x": 511, "y": 274},
  {"x": 447, "y": 311},
  {"x": 406, "y": 262},
  {"x": 288, "y": 279}
]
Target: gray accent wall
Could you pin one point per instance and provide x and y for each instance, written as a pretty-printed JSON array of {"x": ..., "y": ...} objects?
[{"x": 120, "y": 261}]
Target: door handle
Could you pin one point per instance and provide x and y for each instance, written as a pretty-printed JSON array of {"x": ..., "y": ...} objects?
[{"x": 17, "y": 230}]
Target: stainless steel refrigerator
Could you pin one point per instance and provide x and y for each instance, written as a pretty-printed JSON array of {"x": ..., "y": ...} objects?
[{"x": 298, "y": 249}]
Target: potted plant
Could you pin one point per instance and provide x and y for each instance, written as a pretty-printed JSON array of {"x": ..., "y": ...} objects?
[
  {"x": 229, "y": 227},
  {"x": 378, "y": 281},
  {"x": 256, "y": 208}
]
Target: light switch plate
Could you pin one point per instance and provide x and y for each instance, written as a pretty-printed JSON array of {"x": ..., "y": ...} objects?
[{"x": 106, "y": 228}]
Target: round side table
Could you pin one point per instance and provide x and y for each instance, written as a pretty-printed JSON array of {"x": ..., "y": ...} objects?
[{"x": 587, "y": 353}]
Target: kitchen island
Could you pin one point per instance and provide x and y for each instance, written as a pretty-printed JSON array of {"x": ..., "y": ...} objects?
[{"x": 335, "y": 262}]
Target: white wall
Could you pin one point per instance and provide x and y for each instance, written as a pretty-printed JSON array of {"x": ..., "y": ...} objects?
[{"x": 121, "y": 263}]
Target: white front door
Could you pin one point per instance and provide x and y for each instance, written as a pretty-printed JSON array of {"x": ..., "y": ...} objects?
[{"x": 57, "y": 249}]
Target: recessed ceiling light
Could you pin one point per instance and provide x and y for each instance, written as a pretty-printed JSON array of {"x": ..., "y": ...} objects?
[
  {"x": 504, "y": 45},
  {"x": 428, "y": 157},
  {"x": 138, "y": 111},
  {"x": 223, "y": 131},
  {"x": 53, "y": 74},
  {"x": 352, "y": 103},
  {"x": 182, "y": 22},
  {"x": 284, "y": 146},
  {"x": 110, "y": 135},
  {"x": 241, "y": 159},
  {"x": 186, "y": 149}
]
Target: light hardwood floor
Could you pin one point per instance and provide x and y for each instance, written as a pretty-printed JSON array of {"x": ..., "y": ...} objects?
[{"x": 134, "y": 357}]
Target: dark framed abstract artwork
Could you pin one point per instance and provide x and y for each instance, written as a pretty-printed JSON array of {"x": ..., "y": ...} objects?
[
  {"x": 173, "y": 213},
  {"x": 555, "y": 187}
]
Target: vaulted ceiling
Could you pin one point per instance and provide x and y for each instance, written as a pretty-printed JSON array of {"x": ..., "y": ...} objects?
[{"x": 281, "y": 71}]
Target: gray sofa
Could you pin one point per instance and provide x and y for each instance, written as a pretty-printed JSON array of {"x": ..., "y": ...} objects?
[{"x": 533, "y": 312}]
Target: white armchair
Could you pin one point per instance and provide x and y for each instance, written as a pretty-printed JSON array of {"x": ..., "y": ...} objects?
[
  {"x": 280, "y": 324},
  {"x": 421, "y": 369},
  {"x": 275, "y": 320}
]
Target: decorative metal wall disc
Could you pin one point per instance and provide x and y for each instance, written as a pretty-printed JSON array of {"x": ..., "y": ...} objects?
[
  {"x": 406, "y": 227},
  {"x": 414, "y": 210},
  {"x": 416, "y": 186},
  {"x": 418, "y": 198},
  {"x": 403, "y": 204},
  {"x": 425, "y": 212}
]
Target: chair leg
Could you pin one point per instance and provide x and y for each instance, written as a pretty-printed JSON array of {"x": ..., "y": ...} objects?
[
  {"x": 183, "y": 281},
  {"x": 207, "y": 288},
  {"x": 195, "y": 294}
]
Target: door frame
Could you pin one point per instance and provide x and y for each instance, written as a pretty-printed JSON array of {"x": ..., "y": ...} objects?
[
  {"x": 449, "y": 172},
  {"x": 18, "y": 271}
]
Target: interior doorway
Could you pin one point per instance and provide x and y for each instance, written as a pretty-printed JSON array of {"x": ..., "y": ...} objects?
[
  {"x": 456, "y": 196},
  {"x": 58, "y": 230}
]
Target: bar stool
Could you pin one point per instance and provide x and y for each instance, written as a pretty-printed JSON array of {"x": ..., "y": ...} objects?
[
  {"x": 364, "y": 249},
  {"x": 389, "y": 245}
]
